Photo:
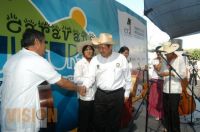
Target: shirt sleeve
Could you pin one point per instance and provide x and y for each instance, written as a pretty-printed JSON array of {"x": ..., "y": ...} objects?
[
  {"x": 78, "y": 73},
  {"x": 180, "y": 68},
  {"x": 127, "y": 78},
  {"x": 90, "y": 78},
  {"x": 45, "y": 70}
]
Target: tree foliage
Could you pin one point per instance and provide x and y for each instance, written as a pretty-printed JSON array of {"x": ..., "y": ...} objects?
[{"x": 195, "y": 53}]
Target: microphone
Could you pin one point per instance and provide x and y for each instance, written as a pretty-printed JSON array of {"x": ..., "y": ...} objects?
[{"x": 187, "y": 55}]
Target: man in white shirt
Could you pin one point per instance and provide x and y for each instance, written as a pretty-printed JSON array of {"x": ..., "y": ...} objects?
[
  {"x": 111, "y": 73},
  {"x": 22, "y": 74},
  {"x": 81, "y": 71},
  {"x": 172, "y": 87}
]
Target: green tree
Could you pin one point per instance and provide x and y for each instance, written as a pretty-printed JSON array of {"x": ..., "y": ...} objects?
[{"x": 195, "y": 53}]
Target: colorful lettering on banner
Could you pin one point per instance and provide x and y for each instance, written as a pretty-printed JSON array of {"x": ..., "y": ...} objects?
[{"x": 61, "y": 40}]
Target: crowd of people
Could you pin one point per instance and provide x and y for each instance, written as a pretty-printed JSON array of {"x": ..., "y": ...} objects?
[{"x": 102, "y": 81}]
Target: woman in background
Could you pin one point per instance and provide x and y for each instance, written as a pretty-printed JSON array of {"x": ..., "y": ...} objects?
[
  {"x": 155, "y": 107},
  {"x": 81, "y": 70},
  {"x": 125, "y": 51},
  {"x": 128, "y": 108}
]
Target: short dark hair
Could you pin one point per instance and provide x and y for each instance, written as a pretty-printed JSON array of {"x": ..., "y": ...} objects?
[
  {"x": 123, "y": 49},
  {"x": 29, "y": 37},
  {"x": 85, "y": 47}
]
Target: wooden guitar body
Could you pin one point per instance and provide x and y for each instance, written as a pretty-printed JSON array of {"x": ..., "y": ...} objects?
[{"x": 187, "y": 104}]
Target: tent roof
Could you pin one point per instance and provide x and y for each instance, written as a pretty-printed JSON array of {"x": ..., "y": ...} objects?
[{"x": 175, "y": 17}]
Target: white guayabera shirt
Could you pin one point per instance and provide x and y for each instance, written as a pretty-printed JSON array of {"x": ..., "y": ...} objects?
[
  {"x": 179, "y": 65},
  {"x": 154, "y": 73},
  {"x": 22, "y": 73},
  {"x": 109, "y": 73},
  {"x": 81, "y": 71}
]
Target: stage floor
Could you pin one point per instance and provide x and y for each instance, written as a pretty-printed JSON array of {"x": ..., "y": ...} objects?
[{"x": 156, "y": 126}]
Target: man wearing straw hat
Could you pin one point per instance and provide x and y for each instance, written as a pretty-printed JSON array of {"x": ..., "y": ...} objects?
[
  {"x": 172, "y": 87},
  {"x": 111, "y": 73},
  {"x": 86, "y": 102}
]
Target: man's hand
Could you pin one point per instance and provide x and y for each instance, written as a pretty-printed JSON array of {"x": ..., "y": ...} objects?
[
  {"x": 81, "y": 90},
  {"x": 163, "y": 74}
]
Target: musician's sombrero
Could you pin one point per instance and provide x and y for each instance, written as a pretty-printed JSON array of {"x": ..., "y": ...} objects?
[{"x": 169, "y": 47}]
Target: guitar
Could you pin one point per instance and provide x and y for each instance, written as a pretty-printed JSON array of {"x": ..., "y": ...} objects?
[
  {"x": 187, "y": 103},
  {"x": 45, "y": 94},
  {"x": 46, "y": 107}
]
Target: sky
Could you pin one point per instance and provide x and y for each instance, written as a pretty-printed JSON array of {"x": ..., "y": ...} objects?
[{"x": 155, "y": 35}]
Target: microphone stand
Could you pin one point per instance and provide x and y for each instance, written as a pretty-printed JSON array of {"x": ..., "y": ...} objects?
[
  {"x": 169, "y": 102},
  {"x": 193, "y": 68},
  {"x": 146, "y": 94},
  {"x": 192, "y": 79},
  {"x": 147, "y": 100},
  {"x": 179, "y": 76},
  {"x": 133, "y": 118},
  {"x": 172, "y": 69}
]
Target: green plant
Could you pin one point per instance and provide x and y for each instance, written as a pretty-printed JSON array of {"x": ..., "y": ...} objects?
[{"x": 195, "y": 53}]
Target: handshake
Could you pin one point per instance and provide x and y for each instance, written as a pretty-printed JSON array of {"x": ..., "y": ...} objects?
[{"x": 81, "y": 90}]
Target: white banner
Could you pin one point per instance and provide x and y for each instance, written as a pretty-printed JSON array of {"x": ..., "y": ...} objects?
[{"x": 133, "y": 34}]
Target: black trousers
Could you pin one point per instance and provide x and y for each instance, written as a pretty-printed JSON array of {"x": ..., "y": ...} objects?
[
  {"x": 107, "y": 110},
  {"x": 85, "y": 122},
  {"x": 171, "y": 114}
]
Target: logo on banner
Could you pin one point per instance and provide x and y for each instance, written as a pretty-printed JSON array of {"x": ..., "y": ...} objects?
[
  {"x": 133, "y": 30},
  {"x": 129, "y": 25},
  {"x": 61, "y": 37},
  {"x": 128, "y": 29}
]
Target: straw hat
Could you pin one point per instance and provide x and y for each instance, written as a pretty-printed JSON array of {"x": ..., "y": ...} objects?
[
  {"x": 80, "y": 45},
  {"x": 169, "y": 47},
  {"x": 104, "y": 38}
]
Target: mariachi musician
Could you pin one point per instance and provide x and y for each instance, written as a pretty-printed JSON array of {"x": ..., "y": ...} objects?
[{"x": 172, "y": 87}]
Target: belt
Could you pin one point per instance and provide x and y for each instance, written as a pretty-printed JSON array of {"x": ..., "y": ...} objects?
[
  {"x": 109, "y": 91},
  {"x": 155, "y": 80}
]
